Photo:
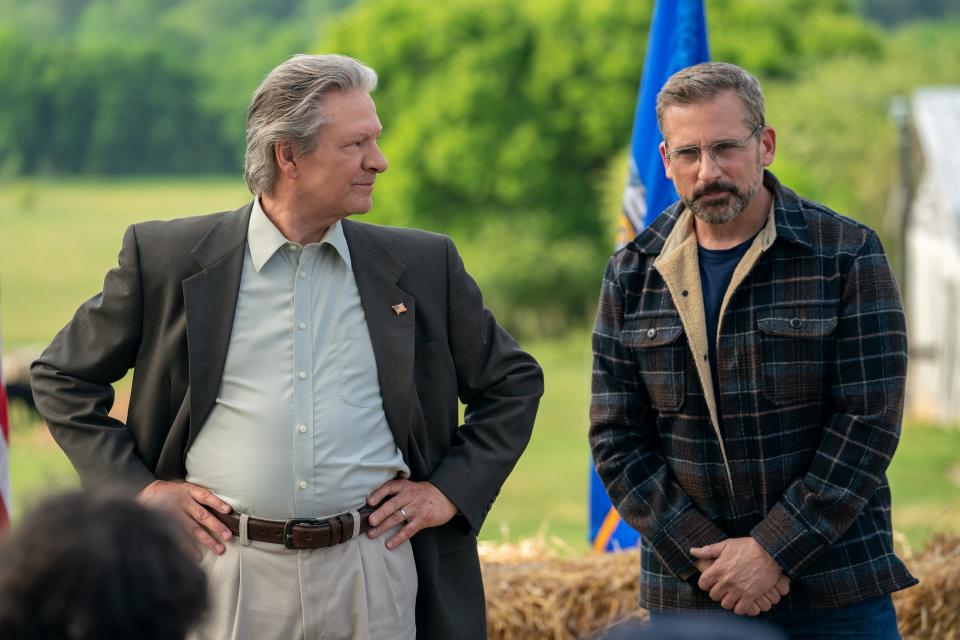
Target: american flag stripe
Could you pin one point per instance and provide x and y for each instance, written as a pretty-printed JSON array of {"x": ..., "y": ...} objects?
[{"x": 4, "y": 451}]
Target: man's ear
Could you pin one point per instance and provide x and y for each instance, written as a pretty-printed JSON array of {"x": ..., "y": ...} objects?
[
  {"x": 768, "y": 145},
  {"x": 666, "y": 160},
  {"x": 286, "y": 158}
]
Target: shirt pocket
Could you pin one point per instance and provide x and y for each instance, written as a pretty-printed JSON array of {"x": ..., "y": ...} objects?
[
  {"x": 798, "y": 352},
  {"x": 359, "y": 385},
  {"x": 660, "y": 358}
]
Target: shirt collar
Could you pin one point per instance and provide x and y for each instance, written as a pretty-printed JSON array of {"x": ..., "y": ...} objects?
[
  {"x": 789, "y": 222},
  {"x": 335, "y": 238},
  {"x": 264, "y": 239},
  {"x": 683, "y": 229}
]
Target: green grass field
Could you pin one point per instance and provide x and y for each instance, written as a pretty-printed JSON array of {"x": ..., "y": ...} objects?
[{"x": 58, "y": 239}]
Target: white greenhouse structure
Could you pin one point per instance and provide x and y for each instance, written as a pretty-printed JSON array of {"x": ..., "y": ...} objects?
[{"x": 931, "y": 275}]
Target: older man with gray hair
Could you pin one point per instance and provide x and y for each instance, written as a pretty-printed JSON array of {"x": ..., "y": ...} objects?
[{"x": 295, "y": 388}]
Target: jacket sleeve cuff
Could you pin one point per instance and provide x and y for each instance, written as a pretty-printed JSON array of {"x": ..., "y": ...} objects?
[
  {"x": 789, "y": 539},
  {"x": 468, "y": 509},
  {"x": 138, "y": 477},
  {"x": 129, "y": 475},
  {"x": 689, "y": 528}
]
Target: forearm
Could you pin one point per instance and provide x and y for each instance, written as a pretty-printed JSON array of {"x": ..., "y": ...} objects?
[
  {"x": 860, "y": 436},
  {"x": 77, "y": 411},
  {"x": 500, "y": 385},
  {"x": 497, "y": 427},
  {"x": 817, "y": 510},
  {"x": 626, "y": 447},
  {"x": 72, "y": 379},
  {"x": 648, "y": 498}
]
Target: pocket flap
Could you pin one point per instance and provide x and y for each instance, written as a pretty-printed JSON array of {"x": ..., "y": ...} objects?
[
  {"x": 451, "y": 538},
  {"x": 799, "y": 322},
  {"x": 651, "y": 331}
]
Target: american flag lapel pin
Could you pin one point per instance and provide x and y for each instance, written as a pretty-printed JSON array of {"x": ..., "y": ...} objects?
[{"x": 399, "y": 309}]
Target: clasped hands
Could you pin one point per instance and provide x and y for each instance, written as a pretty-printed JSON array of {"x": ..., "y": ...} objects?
[{"x": 740, "y": 575}]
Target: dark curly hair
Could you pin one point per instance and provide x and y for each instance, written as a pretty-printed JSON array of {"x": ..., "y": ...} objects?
[{"x": 97, "y": 565}]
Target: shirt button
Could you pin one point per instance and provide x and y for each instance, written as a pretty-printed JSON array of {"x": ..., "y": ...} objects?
[
  {"x": 796, "y": 323},
  {"x": 302, "y": 428},
  {"x": 303, "y": 484},
  {"x": 303, "y": 274},
  {"x": 302, "y": 375},
  {"x": 302, "y": 326},
  {"x": 651, "y": 333}
]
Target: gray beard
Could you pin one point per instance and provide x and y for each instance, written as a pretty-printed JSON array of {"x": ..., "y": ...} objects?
[{"x": 722, "y": 212}]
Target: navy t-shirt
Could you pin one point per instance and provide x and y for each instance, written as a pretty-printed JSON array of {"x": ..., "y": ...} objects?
[{"x": 716, "y": 270}]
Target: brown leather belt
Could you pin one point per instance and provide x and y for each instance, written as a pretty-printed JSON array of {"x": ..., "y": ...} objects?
[{"x": 299, "y": 533}]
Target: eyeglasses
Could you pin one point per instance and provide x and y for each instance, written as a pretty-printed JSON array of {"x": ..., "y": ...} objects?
[{"x": 723, "y": 152}]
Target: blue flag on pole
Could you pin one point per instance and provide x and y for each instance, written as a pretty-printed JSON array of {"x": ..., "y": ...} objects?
[{"x": 678, "y": 39}]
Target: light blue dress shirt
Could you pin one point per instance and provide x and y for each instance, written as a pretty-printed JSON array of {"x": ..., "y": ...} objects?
[{"x": 298, "y": 428}]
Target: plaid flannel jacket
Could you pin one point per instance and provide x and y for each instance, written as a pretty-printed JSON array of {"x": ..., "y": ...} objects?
[{"x": 812, "y": 361}]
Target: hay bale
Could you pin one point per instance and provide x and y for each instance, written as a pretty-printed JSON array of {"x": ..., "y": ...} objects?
[
  {"x": 545, "y": 591},
  {"x": 537, "y": 591},
  {"x": 932, "y": 608}
]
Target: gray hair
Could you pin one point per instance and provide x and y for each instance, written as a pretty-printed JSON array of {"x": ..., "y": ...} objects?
[
  {"x": 703, "y": 82},
  {"x": 288, "y": 107}
]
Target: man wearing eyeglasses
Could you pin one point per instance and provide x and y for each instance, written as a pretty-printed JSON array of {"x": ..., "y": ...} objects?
[{"x": 749, "y": 366}]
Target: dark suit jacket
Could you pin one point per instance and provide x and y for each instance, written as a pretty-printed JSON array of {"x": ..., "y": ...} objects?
[{"x": 167, "y": 311}]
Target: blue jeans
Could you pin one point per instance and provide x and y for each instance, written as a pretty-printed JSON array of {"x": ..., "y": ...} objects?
[{"x": 873, "y": 619}]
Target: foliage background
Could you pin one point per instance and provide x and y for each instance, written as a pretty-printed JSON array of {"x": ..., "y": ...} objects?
[
  {"x": 506, "y": 122},
  {"x": 506, "y": 125}
]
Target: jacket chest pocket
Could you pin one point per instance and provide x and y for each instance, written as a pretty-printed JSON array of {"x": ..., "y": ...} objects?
[
  {"x": 798, "y": 351},
  {"x": 660, "y": 355}
]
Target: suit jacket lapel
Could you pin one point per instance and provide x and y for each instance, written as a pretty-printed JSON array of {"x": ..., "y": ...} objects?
[
  {"x": 392, "y": 335},
  {"x": 210, "y": 301}
]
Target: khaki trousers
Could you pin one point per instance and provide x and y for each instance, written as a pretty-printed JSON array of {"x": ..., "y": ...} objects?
[{"x": 358, "y": 590}]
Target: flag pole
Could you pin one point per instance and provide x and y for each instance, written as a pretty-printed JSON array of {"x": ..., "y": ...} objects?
[{"x": 678, "y": 39}]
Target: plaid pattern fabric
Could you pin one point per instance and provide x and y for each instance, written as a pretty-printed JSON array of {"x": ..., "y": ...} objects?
[{"x": 812, "y": 359}]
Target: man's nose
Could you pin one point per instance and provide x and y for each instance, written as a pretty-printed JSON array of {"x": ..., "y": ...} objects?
[
  {"x": 709, "y": 170},
  {"x": 375, "y": 160}
]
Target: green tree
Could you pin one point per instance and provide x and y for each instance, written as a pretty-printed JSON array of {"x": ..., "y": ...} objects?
[
  {"x": 894, "y": 12},
  {"x": 836, "y": 140},
  {"x": 501, "y": 119},
  {"x": 81, "y": 110},
  {"x": 501, "y": 115},
  {"x": 782, "y": 39},
  {"x": 210, "y": 55}
]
